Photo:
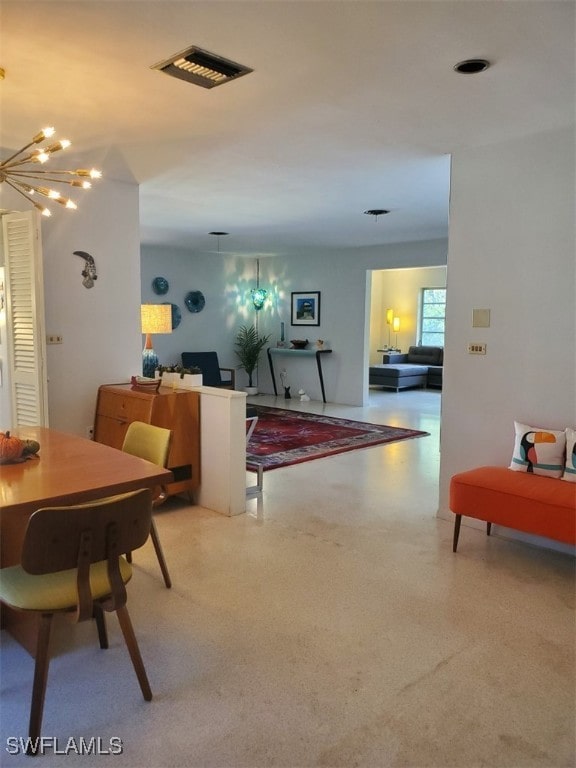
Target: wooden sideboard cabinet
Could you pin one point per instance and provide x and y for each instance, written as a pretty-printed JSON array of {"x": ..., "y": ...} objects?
[{"x": 176, "y": 409}]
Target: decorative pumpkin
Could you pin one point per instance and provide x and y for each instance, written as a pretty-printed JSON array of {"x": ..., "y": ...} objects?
[
  {"x": 30, "y": 447},
  {"x": 11, "y": 448}
]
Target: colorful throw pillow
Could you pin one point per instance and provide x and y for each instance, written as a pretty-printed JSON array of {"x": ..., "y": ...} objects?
[
  {"x": 570, "y": 468},
  {"x": 539, "y": 451}
]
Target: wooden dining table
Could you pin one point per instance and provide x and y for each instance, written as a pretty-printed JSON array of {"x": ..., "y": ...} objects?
[{"x": 68, "y": 469}]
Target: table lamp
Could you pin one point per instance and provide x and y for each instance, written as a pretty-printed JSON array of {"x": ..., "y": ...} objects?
[{"x": 155, "y": 318}]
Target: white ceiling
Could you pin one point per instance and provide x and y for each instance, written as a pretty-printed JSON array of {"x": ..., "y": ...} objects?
[{"x": 352, "y": 105}]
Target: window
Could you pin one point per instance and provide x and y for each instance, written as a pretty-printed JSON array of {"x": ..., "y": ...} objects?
[{"x": 432, "y": 316}]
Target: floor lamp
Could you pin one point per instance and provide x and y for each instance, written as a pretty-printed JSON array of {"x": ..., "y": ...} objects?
[
  {"x": 389, "y": 320},
  {"x": 155, "y": 318},
  {"x": 396, "y": 328}
]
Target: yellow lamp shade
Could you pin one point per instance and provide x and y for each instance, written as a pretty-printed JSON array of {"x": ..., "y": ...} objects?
[
  {"x": 156, "y": 318},
  {"x": 396, "y": 324}
]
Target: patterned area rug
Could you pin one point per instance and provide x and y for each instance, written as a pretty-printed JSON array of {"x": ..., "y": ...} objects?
[{"x": 283, "y": 437}]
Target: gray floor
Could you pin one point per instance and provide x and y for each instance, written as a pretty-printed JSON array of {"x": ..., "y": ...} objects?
[{"x": 331, "y": 625}]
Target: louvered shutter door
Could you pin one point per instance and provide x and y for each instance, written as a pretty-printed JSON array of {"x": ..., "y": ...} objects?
[{"x": 25, "y": 319}]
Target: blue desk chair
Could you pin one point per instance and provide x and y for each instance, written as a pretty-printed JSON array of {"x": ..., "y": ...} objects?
[{"x": 211, "y": 370}]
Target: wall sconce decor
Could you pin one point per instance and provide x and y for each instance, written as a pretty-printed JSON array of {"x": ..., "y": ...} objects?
[
  {"x": 258, "y": 294},
  {"x": 89, "y": 271},
  {"x": 155, "y": 318},
  {"x": 21, "y": 172}
]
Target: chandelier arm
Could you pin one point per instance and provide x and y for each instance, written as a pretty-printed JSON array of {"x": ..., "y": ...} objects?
[
  {"x": 40, "y": 170},
  {"x": 16, "y": 186},
  {"x": 29, "y": 158},
  {"x": 32, "y": 175},
  {"x": 24, "y": 148}
]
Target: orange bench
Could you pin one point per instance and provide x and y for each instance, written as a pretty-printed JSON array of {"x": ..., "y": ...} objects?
[{"x": 543, "y": 506}]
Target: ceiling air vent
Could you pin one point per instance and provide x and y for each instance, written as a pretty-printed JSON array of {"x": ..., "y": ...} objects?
[{"x": 201, "y": 67}]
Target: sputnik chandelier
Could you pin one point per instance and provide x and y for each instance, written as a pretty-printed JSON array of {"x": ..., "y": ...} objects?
[{"x": 21, "y": 172}]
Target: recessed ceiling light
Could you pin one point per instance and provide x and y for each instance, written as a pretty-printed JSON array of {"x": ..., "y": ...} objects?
[
  {"x": 201, "y": 67},
  {"x": 472, "y": 66}
]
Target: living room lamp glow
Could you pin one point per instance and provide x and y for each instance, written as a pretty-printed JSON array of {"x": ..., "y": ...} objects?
[
  {"x": 20, "y": 171},
  {"x": 396, "y": 328},
  {"x": 155, "y": 318},
  {"x": 389, "y": 321}
]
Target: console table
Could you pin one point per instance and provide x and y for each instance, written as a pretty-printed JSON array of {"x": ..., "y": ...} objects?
[{"x": 310, "y": 353}]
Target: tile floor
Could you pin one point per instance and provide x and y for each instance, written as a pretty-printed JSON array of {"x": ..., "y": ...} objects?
[{"x": 331, "y": 625}]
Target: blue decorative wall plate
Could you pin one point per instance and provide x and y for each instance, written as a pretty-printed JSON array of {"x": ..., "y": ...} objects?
[
  {"x": 176, "y": 314},
  {"x": 160, "y": 285},
  {"x": 195, "y": 301}
]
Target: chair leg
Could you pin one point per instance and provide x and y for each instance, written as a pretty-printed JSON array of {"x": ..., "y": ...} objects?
[
  {"x": 160, "y": 554},
  {"x": 488, "y": 529},
  {"x": 100, "y": 619},
  {"x": 256, "y": 489},
  {"x": 128, "y": 557},
  {"x": 134, "y": 651},
  {"x": 457, "y": 521},
  {"x": 40, "y": 680}
]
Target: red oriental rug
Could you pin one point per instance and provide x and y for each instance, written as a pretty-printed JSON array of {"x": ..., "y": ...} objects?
[{"x": 284, "y": 437}]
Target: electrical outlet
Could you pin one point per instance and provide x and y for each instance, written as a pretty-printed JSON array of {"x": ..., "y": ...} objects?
[{"x": 476, "y": 349}]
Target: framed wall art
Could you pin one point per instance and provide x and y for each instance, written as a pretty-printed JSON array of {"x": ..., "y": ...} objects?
[{"x": 305, "y": 308}]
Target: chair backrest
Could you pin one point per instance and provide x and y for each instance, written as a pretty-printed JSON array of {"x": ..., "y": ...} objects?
[
  {"x": 148, "y": 442},
  {"x": 75, "y": 537},
  {"x": 53, "y": 534},
  {"x": 208, "y": 364}
]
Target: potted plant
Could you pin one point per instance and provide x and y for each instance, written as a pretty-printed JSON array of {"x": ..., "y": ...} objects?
[
  {"x": 178, "y": 376},
  {"x": 249, "y": 346}
]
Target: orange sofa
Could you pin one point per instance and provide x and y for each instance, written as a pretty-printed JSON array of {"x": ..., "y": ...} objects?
[{"x": 543, "y": 506}]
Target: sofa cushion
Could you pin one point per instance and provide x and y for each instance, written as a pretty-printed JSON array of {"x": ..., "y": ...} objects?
[
  {"x": 570, "y": 468},
  {"x": 538, "y": 451},
  {"x": 397, "y": 370},
  {"x": 435, "y": 375},
  {"x": 426, "y": 355}
]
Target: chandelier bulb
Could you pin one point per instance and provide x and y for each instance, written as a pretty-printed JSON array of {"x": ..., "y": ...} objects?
[
  {"x": 14, "y": 172},
  {"x": 45, "y": 133}
]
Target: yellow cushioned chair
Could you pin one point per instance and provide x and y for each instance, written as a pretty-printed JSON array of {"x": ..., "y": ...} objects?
[
  {"x": 72, "y": 563},
  {"x": 152, "y": 444}
]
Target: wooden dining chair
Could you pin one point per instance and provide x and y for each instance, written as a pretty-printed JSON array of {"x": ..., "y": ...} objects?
[
  {"x": 152, "y": 444},
  {"x": 72, "y": 563}
]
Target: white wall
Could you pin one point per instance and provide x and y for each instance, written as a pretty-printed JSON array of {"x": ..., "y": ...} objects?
[
  {"x": 511, "y": 250},
  {"x": 100, "y": 326},
  {"x": 399, "y": 289},
  {"x": 340, "y": 276}
]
